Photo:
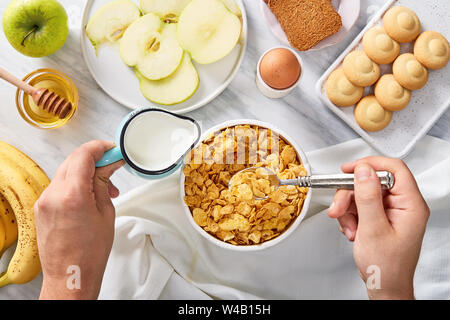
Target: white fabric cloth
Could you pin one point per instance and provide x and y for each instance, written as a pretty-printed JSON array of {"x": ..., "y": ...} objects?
[{"x": 157, "y": 253}]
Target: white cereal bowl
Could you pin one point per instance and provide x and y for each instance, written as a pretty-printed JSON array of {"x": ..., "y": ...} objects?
[{"x": 283, "y": 235}]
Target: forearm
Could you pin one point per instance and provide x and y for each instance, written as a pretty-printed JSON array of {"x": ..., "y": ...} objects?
[
  {"x": 406, "y": 293},
  {"x": 60, "y": 289}
]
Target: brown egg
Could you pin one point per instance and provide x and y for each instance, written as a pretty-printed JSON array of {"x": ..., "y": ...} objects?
[{"x": 280, "y": 68}]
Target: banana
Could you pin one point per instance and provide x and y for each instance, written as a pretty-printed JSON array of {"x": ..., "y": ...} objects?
[
  {"x": 2, "y": 235},
  {"x": 9, "y": 222},
  {"x": 21, "y": 183},
  {"x": 26, "y": 163}
]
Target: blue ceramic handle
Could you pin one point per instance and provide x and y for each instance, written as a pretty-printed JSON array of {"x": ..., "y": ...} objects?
[{"x": 110, "y": 157}]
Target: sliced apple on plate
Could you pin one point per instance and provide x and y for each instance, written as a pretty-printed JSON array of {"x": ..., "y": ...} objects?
[
  {"x": 109, "y": 23},
  {"x": 208, "y": 30},
  {"x": 152, "y": 47},
  {"x": 167, "y": 10},
  {"x": 174, "y": 89},
  {"x": 233, "y": 7}
]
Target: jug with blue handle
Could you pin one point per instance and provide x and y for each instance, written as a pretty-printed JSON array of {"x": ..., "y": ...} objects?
[{"x": 119, "y": 152}]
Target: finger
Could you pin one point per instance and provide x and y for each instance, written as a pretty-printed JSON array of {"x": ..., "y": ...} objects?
[
  {"x": 101, "y": 183},
  {"x": 81, "y": 163},
  {"x": 402, "y": 174},
  {"x": 368, "y": 199},
  {"x": 60, "y": 173},
  {"x": 341, "y": 202},
  {"x": 97, "y": 148},
  {"x": 348, "y": 225},
  {"x": 112, "y": 190}
]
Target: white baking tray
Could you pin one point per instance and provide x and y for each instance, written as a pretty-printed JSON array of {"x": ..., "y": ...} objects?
[{"x": 427, "y": 104}]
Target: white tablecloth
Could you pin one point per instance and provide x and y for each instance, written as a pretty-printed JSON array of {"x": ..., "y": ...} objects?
[{"x": 157, "y": 253}]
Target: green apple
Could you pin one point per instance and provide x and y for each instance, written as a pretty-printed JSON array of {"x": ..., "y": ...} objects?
[
  {"x": 109, "y": 23},
  {"x": 35, "y": 28},
  {"x": 208, "y": 30},
  {"x": 168, "y": 10},
  {"x": 174, "y": 89},
  {"x": 152, "y": 47}
]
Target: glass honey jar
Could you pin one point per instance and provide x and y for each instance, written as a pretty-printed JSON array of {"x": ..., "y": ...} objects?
[{"x": 56, "y": 82}]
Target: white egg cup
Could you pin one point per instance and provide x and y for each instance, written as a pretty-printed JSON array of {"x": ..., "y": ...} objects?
[{"x": 267, "y": 90}]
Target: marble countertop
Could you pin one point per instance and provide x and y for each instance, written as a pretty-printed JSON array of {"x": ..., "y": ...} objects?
[{"x": 301, "y": 114}]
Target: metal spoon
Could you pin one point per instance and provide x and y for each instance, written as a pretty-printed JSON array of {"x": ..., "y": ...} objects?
[{"x": 328, "y": 181}]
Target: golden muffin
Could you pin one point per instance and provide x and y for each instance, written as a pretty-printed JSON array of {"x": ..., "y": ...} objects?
[
  {"x": 341, "y": 91},
  {"x": 401, "y": 24},
  {"x": 432, "y": 50},
  {"x": 360, "y": 70},
  {"x": 390, "y": 94},
  {"x": 379, "y": 46},
  {"x": 370, "y": 115},
  {"x": 409, "y": 72}
]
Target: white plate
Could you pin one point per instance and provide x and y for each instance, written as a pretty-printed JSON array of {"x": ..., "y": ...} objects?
[
  {"x": 347, "y": 9},
  {"x": 427, "y": 104},
  {"x": 120, "y": 83}
]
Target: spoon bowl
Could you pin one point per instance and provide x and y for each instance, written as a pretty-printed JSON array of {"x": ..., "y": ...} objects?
[
  {"x": 263, "y": 173},
  {"x": 336, "y": 181}
]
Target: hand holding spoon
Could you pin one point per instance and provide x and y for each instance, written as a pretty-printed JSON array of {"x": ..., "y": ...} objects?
[{"x": 333, "y": 181}]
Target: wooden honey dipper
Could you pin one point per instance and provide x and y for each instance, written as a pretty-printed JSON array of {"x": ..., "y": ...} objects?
[{"x": 43, "y": 98}]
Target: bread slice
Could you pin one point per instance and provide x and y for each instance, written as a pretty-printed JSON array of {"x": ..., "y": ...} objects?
[{"x": 306, "y": 22}]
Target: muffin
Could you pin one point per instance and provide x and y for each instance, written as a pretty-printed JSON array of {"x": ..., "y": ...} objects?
[
  {"x": 409, "y": 72},
  {"x": 401, "y": 24},
  {"x": 341, "y": 91},
  {"x": 360, "y": 70},
  {"x": 432, "y": 50},
  {"x": 390, "y": 94},
  {"x": 379, "y": 47},
  {"x": 370, "y": 115}
]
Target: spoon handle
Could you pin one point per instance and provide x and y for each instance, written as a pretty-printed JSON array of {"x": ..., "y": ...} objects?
[{"x": 338, "y": 181}]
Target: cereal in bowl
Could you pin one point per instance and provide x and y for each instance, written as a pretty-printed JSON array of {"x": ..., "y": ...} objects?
[
  {"x": 235, "y": 216},
  {"x": 247, "y": 185}
]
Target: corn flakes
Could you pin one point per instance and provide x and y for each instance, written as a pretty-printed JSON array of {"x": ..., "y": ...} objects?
[{"x": 235, "y": 215}]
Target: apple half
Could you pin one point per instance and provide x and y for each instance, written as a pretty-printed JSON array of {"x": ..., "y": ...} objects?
[
  {"x": 174, "y": 89},
  {"x": 109, "y": 23},
  {"x": 152, "y": 47},
  {"x": 167, "y": 10},
  {"x": 208, "y": 30},
  {"x": 233, "y": 7}
]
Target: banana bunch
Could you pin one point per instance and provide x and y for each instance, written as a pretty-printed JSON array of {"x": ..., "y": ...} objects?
[
  {"x": 8, "y": 225},
  {"x": 21, "y": 183}
]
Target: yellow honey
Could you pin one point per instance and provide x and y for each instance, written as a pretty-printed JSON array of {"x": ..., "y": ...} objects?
[{"x": 54, "y": 81}]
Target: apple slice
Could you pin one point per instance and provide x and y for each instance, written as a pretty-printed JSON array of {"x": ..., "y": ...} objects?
[
  {"x": 167, "y": 10},
  {"x": 208, "y": 30},
  {"x": 233, "y": 7},
  {"x": 177, "y": 88},
  {"x": 152, "y": 47},
  {"x": 110, "y": 21}
]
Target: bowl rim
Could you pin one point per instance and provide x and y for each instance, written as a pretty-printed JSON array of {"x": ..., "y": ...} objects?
[{"x": 284, "y": 234}]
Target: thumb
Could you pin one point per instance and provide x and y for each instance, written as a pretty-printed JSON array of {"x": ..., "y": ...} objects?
[
  {"x": 101, "y": 183},
  {"x": 369, "y": 199}
]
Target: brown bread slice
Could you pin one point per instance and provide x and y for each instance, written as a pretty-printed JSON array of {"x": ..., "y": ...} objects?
[{"x": 306, "y": 22}]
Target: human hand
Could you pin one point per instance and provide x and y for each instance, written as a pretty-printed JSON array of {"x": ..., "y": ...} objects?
[
  {"x": 387, "y": 227},
  {"x": 75, "y": 223}
]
